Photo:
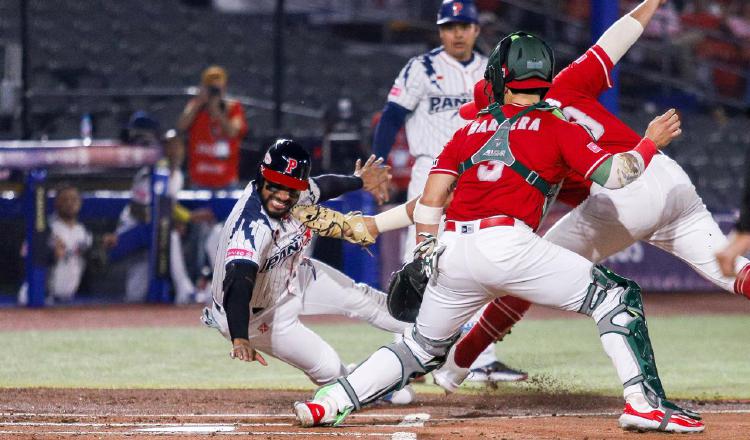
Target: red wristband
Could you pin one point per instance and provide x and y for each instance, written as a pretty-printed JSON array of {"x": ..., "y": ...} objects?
[{"x": 646, "y": 148}]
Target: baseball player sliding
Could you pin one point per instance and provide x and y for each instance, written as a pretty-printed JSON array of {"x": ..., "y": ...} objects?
[
  {"x": 262, "y": 283},
  {"x": 505, "y": 167},
  {"x": 425, "y": 98}
]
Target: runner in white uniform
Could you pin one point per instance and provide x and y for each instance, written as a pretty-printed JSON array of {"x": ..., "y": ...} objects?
[
  {"x": 425, "y": 97},
  {"x": 261, "y": 278}
]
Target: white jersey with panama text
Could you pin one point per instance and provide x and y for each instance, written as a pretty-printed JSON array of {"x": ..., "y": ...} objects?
[
  {"x": 275, "y": 245},
  {"x": 433, "y": 86}
]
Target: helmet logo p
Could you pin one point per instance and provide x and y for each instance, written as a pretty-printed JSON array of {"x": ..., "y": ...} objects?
[
  {"x": 457, "y": 7},
  {"x": 291, "y": 165}
]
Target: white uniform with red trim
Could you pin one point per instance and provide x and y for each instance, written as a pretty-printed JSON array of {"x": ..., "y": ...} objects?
[
  {"x": 288, "y": 285},
  {"x": 433, "y": 86},
  {"x": 661, "y": 207}
]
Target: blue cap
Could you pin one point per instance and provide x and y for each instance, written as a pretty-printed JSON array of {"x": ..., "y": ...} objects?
[
  {"x": 143, "y": 120},
  {"x": 461, "y": 11}
]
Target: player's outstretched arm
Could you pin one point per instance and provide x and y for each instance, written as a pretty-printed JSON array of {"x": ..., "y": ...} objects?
[
  {"x": 373, "y": 177},
  {"x": 623, "y": 33},
  {"x": 239, "y": 281},
  {"x": 621, "y": 169}
]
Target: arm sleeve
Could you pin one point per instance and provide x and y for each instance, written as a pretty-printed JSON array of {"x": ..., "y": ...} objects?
[
  {"x": 589, "y": 74},
  {"x": 620, "y": 37},
  {"x": 239, "y": 281},
  {"x": 743, "y": 225},
  {"x": 331, "y": 186},
  {"x": 390, "y": 123}
]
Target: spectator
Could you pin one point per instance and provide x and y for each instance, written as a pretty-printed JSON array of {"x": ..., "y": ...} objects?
[
  {"x": 69, "y": 243},
  {"x": 215, "y": 126},
  {"x": 133, "y": 235}
]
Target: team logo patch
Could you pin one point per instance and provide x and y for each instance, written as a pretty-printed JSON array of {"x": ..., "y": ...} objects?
[
  {"x": 238, "y": 252},
  {"x": 593, "y": 147},
  {"x": 395, "y": 91},
  {"x": 291, "y": 164},
  {"x": 263, "y": 328},
  {"x": 457, "y": 8}
]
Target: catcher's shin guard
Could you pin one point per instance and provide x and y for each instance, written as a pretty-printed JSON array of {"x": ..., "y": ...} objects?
[{"x": 616, "y": 305}]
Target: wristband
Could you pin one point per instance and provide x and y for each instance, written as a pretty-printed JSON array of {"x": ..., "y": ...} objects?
[
  {"x": 394, "y": 218},
  {"x": 646, "y": 148},
  {"x": 427, "y": 215}
]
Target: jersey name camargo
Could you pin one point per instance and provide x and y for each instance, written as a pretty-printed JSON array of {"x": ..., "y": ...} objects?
[
  {"x": 540, "y": 140},
  {"x": 575, "y": 90},
  {"x": 275, "y": 245},
  {"x": 433, "y": 86}
]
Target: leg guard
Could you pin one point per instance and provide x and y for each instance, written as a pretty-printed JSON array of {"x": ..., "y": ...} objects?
[
  {"x": 742, "y": 282},
  {"x": 616, "y": 305}
]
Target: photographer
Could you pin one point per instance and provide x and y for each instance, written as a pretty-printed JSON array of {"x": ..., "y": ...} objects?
[{"x": 214, "y": 126}]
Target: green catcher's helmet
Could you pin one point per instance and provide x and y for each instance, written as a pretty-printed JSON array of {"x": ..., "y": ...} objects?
[{"x": 520, "y": 61}]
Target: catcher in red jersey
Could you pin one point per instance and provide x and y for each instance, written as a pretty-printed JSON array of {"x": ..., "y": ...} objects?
[
  {"x": 661, "y": 208},
  {"x": 505, "y": 166}
]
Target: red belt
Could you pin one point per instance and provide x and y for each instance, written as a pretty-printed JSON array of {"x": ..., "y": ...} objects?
[{"x": 450, "y": 225}]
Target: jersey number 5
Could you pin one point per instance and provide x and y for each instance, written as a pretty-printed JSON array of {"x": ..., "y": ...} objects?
[{"x": 491, "y": 171}]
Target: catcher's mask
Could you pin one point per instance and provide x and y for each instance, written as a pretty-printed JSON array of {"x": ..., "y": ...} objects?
[
  {"x": 286, "y": 163},
  {"x": 520, "y": 61}
]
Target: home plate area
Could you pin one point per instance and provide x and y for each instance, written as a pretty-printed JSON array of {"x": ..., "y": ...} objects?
[{"x": 87, "y": 414}]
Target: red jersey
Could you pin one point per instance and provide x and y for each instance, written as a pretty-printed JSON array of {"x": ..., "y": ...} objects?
[
  {"x": 575, "y": 90},
  {"x": 540, "y": 140},
  {"x": 214, "y": 158}
]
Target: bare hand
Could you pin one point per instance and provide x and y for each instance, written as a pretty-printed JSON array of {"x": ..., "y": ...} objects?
[
  {"x": 375, "y": 177},
  {"x": 663, "y": 129},
  {"x": 726, "y": 258},
  {"x": 109, "y": 240},
  {"x": 242, "y": 350}
]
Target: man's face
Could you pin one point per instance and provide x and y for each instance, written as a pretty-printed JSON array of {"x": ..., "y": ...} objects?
[
  {"x": 278, "y": 199},
  {"x": 458, "y": 39},
  {"x": 68, "y": 203}
]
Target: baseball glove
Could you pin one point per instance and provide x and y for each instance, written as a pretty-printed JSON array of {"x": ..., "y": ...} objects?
[
  {"x": 405, "y": 291},
  {"x": 330, "y": 223}
]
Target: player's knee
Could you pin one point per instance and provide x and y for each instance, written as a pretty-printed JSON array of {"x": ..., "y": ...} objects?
[
  {"x": 430, "y": 353},
  {"x": 613, "y": 301},
  {"x": 326, "y": 372}
]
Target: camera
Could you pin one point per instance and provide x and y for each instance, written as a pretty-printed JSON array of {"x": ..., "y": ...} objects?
[{"x": 214, "y": 91}]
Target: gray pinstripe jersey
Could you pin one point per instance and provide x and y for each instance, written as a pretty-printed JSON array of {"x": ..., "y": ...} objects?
[{"x": 274, "y": 245}]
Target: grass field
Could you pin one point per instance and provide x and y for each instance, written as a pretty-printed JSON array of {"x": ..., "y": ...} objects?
[{"x": 702, "y": 357}]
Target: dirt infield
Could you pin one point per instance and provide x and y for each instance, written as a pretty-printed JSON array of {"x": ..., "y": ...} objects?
[
  {"x": 88, "y": 414},
  {"x": 42, "y": 413}
]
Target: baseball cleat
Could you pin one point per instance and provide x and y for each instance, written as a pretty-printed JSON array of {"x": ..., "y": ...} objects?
[
  {"x": 660, "y": 419},
  {"x": 450, "y": 376},
  {"x": 321, "y": 411},
  {"x": 496, "y": 372}
]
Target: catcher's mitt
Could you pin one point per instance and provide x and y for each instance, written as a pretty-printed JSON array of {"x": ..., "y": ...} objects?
[
  {"x": 405, "y": 291},
  {"x": 330, "y": 223}
]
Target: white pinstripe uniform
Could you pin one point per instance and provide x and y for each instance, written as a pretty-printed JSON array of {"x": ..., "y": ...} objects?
[
  {"x": 432, "y": 86},
  {"x": 287, "y": 285}
]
